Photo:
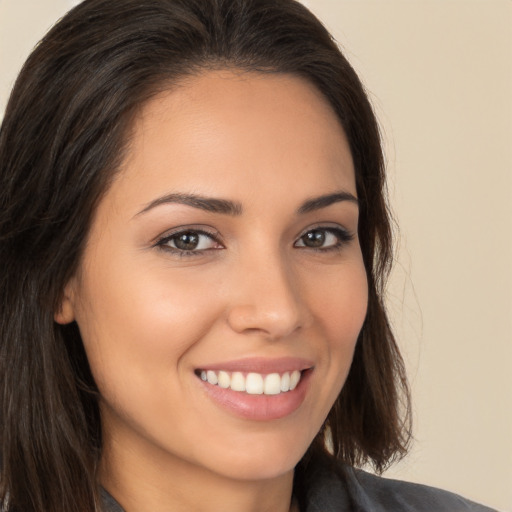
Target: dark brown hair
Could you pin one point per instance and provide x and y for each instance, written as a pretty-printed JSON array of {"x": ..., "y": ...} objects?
[{"x": 61, "y": 142}]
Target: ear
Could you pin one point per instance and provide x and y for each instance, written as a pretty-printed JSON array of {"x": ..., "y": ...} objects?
[{"x": 65, "y": 312}]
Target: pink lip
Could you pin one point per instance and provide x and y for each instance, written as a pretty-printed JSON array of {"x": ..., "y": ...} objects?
[
  {"x": 261, "y": 365},
  {"x": 260, "y": 407}
]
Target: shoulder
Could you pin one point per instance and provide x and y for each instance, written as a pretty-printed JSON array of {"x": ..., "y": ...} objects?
[
  {"x": 109, "y": 504},
  {"x": 339, "y": 488},
  {"x": 397, "y": 495}
]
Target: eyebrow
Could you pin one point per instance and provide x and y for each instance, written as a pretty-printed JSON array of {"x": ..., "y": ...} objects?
[
  {"x": 233, "y": 208},
  {"x": 318, "y": 203},
  {"x": 208, "y": 204}
]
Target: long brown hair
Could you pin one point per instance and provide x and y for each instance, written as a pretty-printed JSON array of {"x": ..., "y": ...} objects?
[{"x": 62, "y": 138}]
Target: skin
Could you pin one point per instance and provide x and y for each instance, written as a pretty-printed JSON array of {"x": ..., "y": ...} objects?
[{"x": 149, "y": 317}]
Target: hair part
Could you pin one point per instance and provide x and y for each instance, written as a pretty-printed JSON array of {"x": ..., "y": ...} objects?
[{"x": 64, "y": 135}]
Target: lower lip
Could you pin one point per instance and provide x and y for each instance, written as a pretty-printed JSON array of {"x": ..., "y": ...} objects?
[{"x": 259, "y": 407}]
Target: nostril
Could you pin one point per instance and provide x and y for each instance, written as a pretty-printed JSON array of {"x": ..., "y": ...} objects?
[{"x": 268, "y": 319}]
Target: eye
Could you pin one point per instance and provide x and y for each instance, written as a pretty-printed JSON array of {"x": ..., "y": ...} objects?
[
  {"x": 189, "y": 241},
  {"x": 324, "y": 238}
]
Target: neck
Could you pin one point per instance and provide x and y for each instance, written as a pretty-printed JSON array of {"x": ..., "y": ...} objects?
[{"x": 157, "y": 482}]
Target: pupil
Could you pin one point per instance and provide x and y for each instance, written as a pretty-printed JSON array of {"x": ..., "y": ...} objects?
[
  {"x": 314, "y": 239},
  {"x": 187, "y": 241}
]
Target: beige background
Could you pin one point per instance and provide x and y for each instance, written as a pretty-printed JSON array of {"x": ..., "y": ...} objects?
[{"x": 439, "y": 73}]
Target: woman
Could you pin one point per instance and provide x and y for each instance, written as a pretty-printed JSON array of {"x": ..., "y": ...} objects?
[{"x": 195, "y": 242}]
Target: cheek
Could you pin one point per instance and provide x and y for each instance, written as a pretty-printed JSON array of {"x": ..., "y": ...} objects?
[
  {"x": 339, "y": 308},
  {"x": 136, "y": 323},
  {"x": 340, "y": 303}
]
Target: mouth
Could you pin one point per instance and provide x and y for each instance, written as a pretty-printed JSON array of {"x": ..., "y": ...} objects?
[
  {"x": 252, "y": 383},
  {"x": 257, "y": 389}
]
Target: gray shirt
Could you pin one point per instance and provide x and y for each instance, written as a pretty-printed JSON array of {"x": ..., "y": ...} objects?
[{"x": 352, "y": 490}]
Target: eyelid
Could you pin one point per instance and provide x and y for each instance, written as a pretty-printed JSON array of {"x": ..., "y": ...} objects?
[
  {"x": 343, "y": 234},
  {"x": 162, "y": 239},
  {"x": 326, "y": 226},
  {"x": 199, "y": 228}
]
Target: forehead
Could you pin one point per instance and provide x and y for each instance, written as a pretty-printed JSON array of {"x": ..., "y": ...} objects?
[{"x": 226, "y": 132}]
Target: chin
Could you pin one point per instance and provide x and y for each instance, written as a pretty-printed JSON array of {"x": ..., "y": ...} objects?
[
  {"x": 258, "y": 470},
  {"x": 260, "y": 460}
]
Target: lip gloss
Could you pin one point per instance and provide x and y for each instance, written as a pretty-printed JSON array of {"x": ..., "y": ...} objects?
[{"x": 259, "y": 407}]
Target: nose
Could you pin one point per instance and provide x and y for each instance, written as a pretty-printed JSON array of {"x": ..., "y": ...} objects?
[{"x": 267, "y": 300}]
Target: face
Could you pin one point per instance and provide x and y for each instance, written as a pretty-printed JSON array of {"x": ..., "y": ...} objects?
[{"x": 224, "y": 257}]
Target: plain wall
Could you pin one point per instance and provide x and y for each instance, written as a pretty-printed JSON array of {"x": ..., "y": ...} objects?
[{"x": 439, "y": 73}]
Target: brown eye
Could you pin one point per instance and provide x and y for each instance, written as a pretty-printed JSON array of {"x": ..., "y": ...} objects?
[
  {"x": 188, "y": 241},
  {"x": 324, "y": 239},
  {"x": 315, "y": 238}
]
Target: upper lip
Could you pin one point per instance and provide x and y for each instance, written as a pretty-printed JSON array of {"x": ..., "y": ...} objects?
[{"x": 261, "y": 365}]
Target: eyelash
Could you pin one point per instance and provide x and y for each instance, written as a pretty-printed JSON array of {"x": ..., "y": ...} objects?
[
  {"x": 343, "y": 236},
  {"x": 182, "y": 253}
]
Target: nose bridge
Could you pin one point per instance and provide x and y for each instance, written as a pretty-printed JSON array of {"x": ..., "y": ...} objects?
[{"x": 267, "y": 298}]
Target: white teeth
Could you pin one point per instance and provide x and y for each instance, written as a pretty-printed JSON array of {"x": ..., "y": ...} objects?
[
  {"x": 238, "y": 382},
  {"x": 285, "y": 382},
  {"x": 211, "y": 377},
  {"x": 253, "y": 383},
  {"x": 272, "y": 384},
  {"x": 294, "y": 379},
  {"x": 224, "y": 380}
]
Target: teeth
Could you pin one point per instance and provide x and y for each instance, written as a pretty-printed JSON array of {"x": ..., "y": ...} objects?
[
  {"x": 285, "y": 382},
  {"x": 237, "y": 382},
  {"x": 272, "y": 384},
  {"x": 294, "y": 380},
  {"x": 253, "y": 383},
  {"x": 211, "y": 377},
  {"x": 224, "y": 380}
]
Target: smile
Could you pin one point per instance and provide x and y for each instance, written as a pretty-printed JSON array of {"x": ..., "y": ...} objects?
[
  {"x": 253, "y": 383},
  {"x": 255, "y": 388}
]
